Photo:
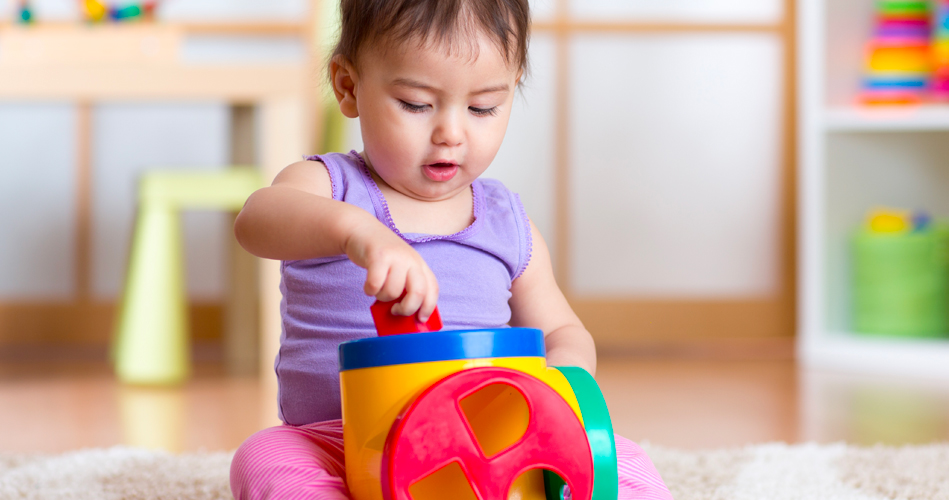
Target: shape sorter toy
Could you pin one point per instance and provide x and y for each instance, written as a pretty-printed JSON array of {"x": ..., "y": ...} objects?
[{"x": 469, "y": 414}]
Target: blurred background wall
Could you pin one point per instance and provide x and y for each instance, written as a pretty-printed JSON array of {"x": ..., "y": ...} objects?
[{"x": 652, "y": 145}]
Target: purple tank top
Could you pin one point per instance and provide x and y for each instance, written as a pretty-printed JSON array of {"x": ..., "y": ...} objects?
[{"x": 323, "y": 302}]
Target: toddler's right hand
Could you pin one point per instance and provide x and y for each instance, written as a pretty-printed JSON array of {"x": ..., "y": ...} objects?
[{"x": 393, "y": 267}]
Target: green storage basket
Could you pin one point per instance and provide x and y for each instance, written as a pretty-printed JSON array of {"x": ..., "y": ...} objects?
[{"x": 901, "y": 282}]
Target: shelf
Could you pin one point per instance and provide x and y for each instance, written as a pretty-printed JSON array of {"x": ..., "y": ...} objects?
[
  {"x": 138, "y": 61},
  {"x": 846, "y": 351},
  {"x": 882, "y": 119},
  {"x": 851, "y": 158},
  {"x": 251, "y": 28}
]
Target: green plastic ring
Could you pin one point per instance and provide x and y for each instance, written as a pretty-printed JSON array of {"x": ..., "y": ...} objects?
[{"x": 599, "y": 427}]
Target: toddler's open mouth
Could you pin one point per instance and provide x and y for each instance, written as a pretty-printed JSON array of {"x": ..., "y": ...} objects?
[{"x": 440, "y": 171}]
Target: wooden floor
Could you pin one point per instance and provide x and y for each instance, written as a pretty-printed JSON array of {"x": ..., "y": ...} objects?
[{"x": 53, "y": 407}]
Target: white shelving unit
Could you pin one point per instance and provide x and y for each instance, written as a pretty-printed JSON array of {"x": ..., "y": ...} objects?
[
  {"x": 851, "y": 159},
  {"x": 863, "y": 119}
]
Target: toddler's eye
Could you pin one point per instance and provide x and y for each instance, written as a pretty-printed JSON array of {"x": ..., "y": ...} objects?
[
  {"x": 484, "y": 111},
  {"x": 412, "y": 108}
]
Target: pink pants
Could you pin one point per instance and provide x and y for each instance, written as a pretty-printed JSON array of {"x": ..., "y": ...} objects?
[{"x": 306, "y": 462}]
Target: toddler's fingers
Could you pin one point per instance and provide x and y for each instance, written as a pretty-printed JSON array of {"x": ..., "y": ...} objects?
[
  {"x": 430, "y": 300},
  {"x": 375, "y": 279},
  {"x": 394, "y": 285},
  {"x": 414, "y": 293}
]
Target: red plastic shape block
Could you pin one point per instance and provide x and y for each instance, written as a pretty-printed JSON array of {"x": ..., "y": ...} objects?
[
  {"x": 432, "y": 432},
  {"x": 392, "y": 324}
]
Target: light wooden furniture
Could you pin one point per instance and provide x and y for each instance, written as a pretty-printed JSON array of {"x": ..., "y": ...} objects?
[
  {"x": 853, "y": 158},
  {"x": 131, "y": 62},
  {"x": 143, "y": 62}
]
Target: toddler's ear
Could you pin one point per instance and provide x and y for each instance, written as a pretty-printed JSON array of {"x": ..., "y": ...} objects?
[{"x": 343, "y": 76}]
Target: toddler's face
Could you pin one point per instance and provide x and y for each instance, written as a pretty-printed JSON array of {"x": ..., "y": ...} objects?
[{"x": 431, "y": 121}]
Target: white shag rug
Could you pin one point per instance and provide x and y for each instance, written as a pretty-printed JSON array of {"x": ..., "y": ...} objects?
[{"x": 761, "y": 472}]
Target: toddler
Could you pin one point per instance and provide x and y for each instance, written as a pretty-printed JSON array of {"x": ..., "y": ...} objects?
[{"x": 432, "y": 83}]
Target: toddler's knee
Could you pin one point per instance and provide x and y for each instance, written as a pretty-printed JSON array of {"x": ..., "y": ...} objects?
[
  {"x": 256, "y": 446},
  {"x": 251, "y": 458},
  {"x": 284, "y": 462}
]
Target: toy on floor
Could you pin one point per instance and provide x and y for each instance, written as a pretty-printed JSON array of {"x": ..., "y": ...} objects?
[
  {"x": 469, "y": 414},
  {"x": 97, "y": 11},
  {"x": 899, "y": 61}
]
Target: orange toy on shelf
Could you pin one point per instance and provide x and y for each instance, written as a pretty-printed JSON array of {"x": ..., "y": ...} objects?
[{"x": 94, "y": 10}]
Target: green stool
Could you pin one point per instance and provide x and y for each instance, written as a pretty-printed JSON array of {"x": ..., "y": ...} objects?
[{"x": 151, "y": 345}]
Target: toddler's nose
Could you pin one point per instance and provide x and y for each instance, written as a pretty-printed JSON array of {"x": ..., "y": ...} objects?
[{"x": 449, "y": 131}]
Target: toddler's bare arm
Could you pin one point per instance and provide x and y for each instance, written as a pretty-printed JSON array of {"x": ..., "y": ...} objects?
[
  {"x": 297, "y": 218},
  {"x": 537, "y": 302}
]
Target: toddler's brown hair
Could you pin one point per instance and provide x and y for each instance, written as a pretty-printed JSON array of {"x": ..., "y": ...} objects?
[{"x": 449, "y": 22}]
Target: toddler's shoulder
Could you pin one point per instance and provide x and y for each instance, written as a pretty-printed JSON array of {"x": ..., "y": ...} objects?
[
  {"x": 495, "y": 190},
  {"x": 493, "y": 183},
  {"x": 497, "y": 195},
  {"x": 306, "y": 176},
  {"x": 338, "y": 169},
  {"x": 341, "y": 159},
  {"x": 504, "y": 211}
]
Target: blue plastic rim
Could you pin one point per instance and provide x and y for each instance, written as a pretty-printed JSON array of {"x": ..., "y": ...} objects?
[
  {"x": 894, "y": 83},
  {"x": 441, "y": 346}
]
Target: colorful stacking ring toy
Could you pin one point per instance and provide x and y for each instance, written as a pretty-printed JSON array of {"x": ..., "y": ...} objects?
[
  {"x": 940, "y": 49},
  {"x": 899, "y": 59}
]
